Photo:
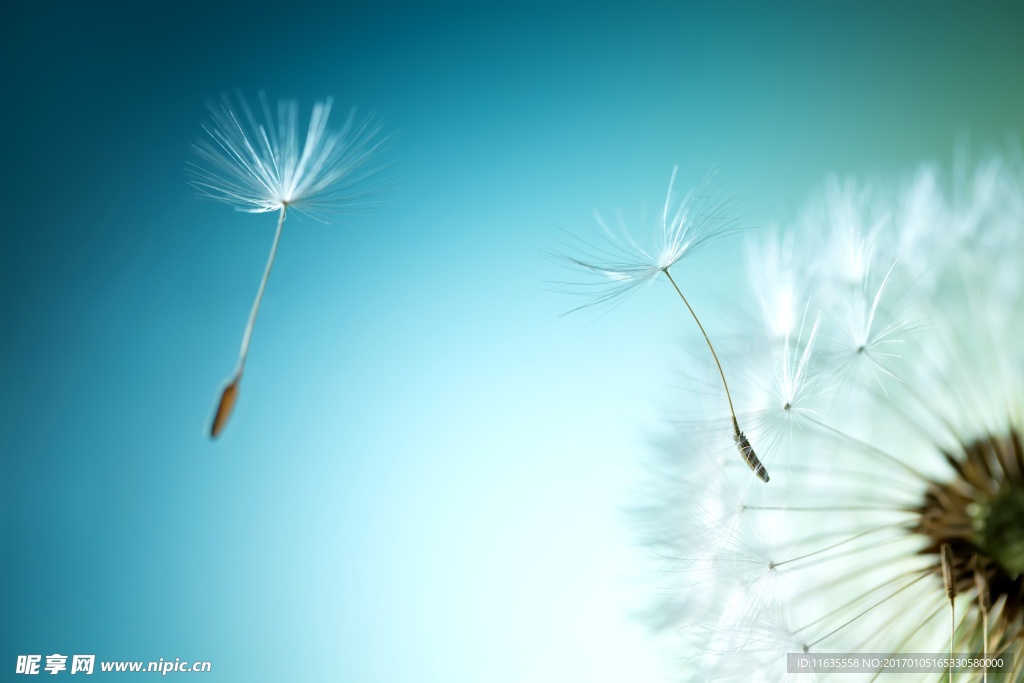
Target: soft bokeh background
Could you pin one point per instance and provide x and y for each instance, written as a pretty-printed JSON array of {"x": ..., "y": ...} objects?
[{"x": 427, "y": 475}]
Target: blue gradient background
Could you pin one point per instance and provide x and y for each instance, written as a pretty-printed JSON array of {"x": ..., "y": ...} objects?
[{"x": 426, "y": 474}]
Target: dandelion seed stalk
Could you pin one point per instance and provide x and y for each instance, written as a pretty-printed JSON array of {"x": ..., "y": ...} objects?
[
  {"x": 229, "y": 396},
  {"x": 984, "y": 604},
  {"x": 949, "y": 582},
  {"x": 746, "y": 450}
]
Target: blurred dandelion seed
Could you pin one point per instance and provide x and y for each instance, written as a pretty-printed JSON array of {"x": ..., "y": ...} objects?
[
  {"x": 903, "y": 494},
  {"x": 259, "y": 165},
  {"x": 700, "y": 218}
]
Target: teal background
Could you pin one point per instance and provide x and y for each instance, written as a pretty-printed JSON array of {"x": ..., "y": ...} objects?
[{"x": 427, "y": 475}]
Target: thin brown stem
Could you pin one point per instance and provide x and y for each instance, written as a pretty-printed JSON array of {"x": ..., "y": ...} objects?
[
  {"x": 713, "y": 354},
  {"x": 949, "y": 581},
  {"x": 742, "y": 443}
]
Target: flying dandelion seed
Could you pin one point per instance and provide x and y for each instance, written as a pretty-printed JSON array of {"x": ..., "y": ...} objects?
[
  {"x": 895, "y": 523},
  {"x": 621, "y": 269},
  {"x": 264, "y": 164}
]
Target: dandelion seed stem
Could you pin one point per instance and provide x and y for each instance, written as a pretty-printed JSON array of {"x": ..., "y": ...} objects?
[
  {"x": 244, "y": 352},
  {"x": 868, "y": 447},
  {"x": 920, "y": 573},
  {"x": 714, "y": 355},
  {"x": 229, "y": 395},
  {"x": 984, "y": 640},
  {"x": 843, "y": 542},
  {"x": 746, "y": 450},
  {"x": 831, "y": 508},
  {"x": 984, "y": 602},
  {"x": 909, "y": 636},
  {"x": 952, "y": 631},
  {"x": 949, "y": 581},
  {"x": 889, "y": 597}
]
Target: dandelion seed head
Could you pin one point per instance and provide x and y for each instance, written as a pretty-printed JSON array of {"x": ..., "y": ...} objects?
[
  {"x": 263, "y": 161},
  {"x": 620, "y": 265}
]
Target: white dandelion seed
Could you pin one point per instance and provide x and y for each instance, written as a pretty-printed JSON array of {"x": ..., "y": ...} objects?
[
  {"x": 895, "y": 522},
  {"x": 622, "y": 267},
  {"x": 266, "y": 164}
]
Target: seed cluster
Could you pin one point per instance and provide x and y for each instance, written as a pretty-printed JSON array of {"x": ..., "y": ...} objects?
[{"x": 979, "y": 515}]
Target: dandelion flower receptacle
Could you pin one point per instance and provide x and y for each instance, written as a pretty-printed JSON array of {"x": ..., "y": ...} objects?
[
  {"x": 264, "y": 163},
  {"x": 894, "y": 413},
  {"x": 622, "y": 267}
]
